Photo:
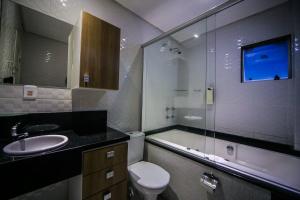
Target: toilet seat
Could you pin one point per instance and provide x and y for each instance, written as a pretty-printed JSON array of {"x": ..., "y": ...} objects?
[{"x": 149, "y": 175}]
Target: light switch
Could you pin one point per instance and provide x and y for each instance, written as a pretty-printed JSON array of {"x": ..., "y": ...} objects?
[{"x": 30, "y": 92}]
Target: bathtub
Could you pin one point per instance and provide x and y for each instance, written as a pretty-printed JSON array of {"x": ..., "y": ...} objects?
[{"x": 273, "y": 168}]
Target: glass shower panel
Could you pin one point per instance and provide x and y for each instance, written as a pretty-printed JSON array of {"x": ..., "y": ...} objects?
[
  {"x": 160, "y": 80},
  {"x": 189, "y": 92},
  {"x": 174, "y": 89}
]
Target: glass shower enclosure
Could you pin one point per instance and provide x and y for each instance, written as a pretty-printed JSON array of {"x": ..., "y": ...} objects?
[
  {"x": 178, "y": 85},
  {"x": 194, "y": 99}
]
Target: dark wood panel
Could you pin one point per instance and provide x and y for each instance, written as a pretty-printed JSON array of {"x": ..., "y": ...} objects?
[
  {"x": 117, "y": 192},
  {"x": 100, "y": 53},
  {"x": 99, "y": 159},
  {"x": 99, "y": 181}
]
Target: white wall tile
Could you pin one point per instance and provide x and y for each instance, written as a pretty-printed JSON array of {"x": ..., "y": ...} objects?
[
  {"x": 261, "y": 109},
  {"x": 7, "y": 91},
  {"x": 48, "y": 100},
  {"x": 54, "y": 93}
]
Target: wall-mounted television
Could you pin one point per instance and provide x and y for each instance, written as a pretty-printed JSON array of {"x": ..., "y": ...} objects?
[{"x": 267, "y": 60}]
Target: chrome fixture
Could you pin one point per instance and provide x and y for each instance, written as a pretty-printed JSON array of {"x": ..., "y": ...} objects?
[
  {"x": 175, "y": 50},
  {"x": 209, "y": 181},
  {"x": 170, "y": 116},
  {"x": 14, "y": 132},
  {"x": 20, "y": 137},
  {"x": 170, "y": 112}
]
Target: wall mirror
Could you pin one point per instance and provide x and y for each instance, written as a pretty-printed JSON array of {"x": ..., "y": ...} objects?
[{"x": 33, "y": 47}]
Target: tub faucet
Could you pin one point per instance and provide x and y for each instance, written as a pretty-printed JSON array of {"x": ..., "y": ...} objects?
[{"x": 14, "y": 132}]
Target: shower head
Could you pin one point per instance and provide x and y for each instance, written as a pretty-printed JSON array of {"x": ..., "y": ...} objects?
[{"x": 175, "y": 50}]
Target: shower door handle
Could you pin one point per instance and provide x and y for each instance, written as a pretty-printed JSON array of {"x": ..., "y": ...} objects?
[{"x": 210, "y": 96}]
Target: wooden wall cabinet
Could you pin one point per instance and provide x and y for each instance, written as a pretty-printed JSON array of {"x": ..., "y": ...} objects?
[
  {"x": 94, "y": 54},
  {"x": 105, "y": 173}
]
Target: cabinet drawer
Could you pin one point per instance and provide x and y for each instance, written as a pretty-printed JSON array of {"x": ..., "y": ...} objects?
[
  {"x": 103, "y": 179},
  {"x": 117, "y": 192},
  {"x": 99, "y": 159}
]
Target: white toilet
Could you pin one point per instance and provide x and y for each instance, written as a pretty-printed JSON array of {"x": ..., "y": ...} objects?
[{"x": 148, "y": 178}]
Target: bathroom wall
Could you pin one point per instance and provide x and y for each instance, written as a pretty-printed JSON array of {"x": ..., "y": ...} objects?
[
  {"x": 124, "y": 105},
  {"x": 48, "y": 100},
  {"x": 44, "y": 61},
  {"x": 262, "y": 109}
]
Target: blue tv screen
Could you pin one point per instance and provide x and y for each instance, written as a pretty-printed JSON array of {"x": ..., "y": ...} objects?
[{"x": 268, "y": 60}]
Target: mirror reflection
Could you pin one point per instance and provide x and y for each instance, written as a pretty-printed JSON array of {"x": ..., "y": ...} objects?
[{"x": 33, "y": 47}]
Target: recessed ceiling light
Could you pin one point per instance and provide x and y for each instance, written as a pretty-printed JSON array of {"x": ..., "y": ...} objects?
[
  {"x": 196, "y": 35},
  {"x": 64, "y": 4}
]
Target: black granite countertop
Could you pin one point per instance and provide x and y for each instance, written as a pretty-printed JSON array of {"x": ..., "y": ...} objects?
[
  {"x": 27, "y": 173},
  {"x": 76, "y": 142}
]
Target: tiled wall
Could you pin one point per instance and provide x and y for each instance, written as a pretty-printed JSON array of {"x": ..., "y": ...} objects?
[
  {"x": 48, "y": 100},
  {"x": 260, "y": 109}
]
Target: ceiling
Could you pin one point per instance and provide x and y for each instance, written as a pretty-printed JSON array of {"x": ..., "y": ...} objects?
[
  {"x": 167, "y": 14},
  {"x": 44, "y": 25}
]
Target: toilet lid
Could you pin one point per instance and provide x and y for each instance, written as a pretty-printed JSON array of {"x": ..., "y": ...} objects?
[{"x": 149, "y": 175}]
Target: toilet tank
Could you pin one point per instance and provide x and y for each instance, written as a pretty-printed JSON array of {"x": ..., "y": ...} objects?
[{"x": 135, "y": 147}]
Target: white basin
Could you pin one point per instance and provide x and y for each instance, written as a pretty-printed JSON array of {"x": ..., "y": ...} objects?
[{"x": 33, "y": 145}]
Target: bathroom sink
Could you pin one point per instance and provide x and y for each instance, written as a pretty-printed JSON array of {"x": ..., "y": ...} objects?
[{"x": 33, "y": 145}]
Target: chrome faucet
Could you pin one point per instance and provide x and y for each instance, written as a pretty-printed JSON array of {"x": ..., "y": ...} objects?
[
  {"x": 20, "y": 137},
  {"x": 14, "y": 132}
]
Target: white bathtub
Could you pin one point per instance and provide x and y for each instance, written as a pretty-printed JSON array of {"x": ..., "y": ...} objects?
[{"x": 275, "y": 168}]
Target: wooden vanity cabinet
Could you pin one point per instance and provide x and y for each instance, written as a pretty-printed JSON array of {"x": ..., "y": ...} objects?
[
  {"x": 94, "y": 54},
  {"x": 105, "y": 173}
]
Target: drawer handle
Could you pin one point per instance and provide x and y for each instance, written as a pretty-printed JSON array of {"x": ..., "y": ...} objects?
[
  {"x": 107, "y": 196},
  {"x": 110, "y": 175},
  {"x": 110, "y": 154}
]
